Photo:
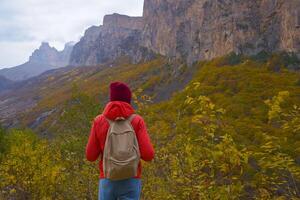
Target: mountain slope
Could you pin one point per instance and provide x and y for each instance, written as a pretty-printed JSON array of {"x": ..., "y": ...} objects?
[
  {"x": 25, "y": 71},
  {"x": 230, "y": 130},
  {"x": 30, "y": 99},
  {"x": 45, "y": 95},
  {"x": 5, "y": 83}
]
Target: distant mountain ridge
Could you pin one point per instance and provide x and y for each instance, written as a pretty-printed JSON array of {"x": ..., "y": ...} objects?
[
  {"x": 43, "y": 59},
  {"x": 50, "y": 55}
]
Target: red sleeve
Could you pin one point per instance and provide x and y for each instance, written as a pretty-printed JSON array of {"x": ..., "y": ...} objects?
[
  {"x": 93, "y": 147},
  {"x": 146, "y": 148}
]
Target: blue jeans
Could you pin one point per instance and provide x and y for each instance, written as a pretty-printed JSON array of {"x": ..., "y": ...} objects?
[{"x": 129, "y": 189}]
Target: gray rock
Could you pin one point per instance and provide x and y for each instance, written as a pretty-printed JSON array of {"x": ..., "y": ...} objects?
[
  {"x": 119, "y": 36},
  {"x": 41, "y": 118},
  {"x": 123, "y": 21},
  {"x": 194, "y": 30},
  {"x": 204, "y": 29}
]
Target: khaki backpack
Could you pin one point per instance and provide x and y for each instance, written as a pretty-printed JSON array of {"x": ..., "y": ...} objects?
[{"x": 121, "y": 154}]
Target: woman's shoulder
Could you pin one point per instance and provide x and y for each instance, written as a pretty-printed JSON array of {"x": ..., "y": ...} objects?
[
  {"x": 99, "y": 119},
  {"x": 137, "y": 117},
  {"x": 138, "y": 120}
]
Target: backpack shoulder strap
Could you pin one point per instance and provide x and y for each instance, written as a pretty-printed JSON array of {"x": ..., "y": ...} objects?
[
  {"x": 109, "y": 121},
  {"x": 131, "y": 117}
]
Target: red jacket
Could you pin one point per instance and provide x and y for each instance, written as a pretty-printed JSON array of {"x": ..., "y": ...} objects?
[{"x": 113, "y": 110}]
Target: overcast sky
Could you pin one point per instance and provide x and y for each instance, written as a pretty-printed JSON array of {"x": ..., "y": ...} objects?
[{"x": 24, "y": 24}]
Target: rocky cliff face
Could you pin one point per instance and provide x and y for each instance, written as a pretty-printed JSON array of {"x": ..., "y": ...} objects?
[
  {"x": 123, "y": 21},
  {"x": 119, "y": 36},
  {"x": 204, "y": 29},
  {"x": 43, "y": 59},
  {"x": 65, "y": 54},
  {"x": 193, "y": 30}
]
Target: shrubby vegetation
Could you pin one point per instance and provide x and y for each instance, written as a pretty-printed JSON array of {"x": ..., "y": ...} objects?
[{"x": 232, "y": 133}]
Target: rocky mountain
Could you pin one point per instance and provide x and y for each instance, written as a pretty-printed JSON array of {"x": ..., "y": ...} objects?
[
  {"x": 43, "y": 59},
  {"x": 193, "y": 30},
  {"x": 119, "y": 36},
  {"x": 51, "y": 56},
  {"x": 204, "y": 29},
  {"x": 188, "y": 30}
]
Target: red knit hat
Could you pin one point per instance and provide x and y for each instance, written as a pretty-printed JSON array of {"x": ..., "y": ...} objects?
[{"x": 120, "y": 92}]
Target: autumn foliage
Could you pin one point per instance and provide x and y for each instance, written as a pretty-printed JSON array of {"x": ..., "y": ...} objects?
[{"x": 233, "y": 132}]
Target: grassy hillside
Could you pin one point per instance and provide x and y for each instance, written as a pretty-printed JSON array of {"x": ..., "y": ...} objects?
[
  {"x": 233, "y": 133},
  {"x": 33, "y": 101},
  {"x": 230, "y": 132}
]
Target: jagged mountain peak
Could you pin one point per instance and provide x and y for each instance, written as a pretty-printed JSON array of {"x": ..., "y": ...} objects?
[
  {"x": 42, "y": 59},
  {"x": 44, "y": 54},
  {"x": 45, "y": 45}
]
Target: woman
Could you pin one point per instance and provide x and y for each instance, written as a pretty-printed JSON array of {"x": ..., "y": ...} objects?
[{"x": 118, "y": 107}]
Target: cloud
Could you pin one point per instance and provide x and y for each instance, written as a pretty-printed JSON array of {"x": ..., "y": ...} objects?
[
  {"x": 29, "y": 22},
  {"x": 15, "y": 53}
]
